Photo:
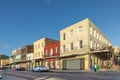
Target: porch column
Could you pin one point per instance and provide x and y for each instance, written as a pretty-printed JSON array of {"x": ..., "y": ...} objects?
[{"x": 89, "y": 61}]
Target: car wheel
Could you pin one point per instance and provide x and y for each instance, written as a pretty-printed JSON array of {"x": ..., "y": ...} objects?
[
  {"x": 39, "y": 70},
  {"x": 32, "y": 70}
]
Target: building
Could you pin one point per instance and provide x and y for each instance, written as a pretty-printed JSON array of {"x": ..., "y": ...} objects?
[
  {"x": 16, "y": 58},
  {"x": 39, "y": 46},
  {"x": 29, "y": 58},
  {"x": 115, "y": 61},
  {"x": 5, "y": 63},
  {"x": 51, "y": 55},
  {"x": 24, "y": 51},
  {"x": 82, "y": 45}
]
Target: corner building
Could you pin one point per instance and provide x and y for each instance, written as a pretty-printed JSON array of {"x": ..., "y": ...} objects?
[
  {"x": 38, "y": 54},
  {"x": 82, "y": 45}
]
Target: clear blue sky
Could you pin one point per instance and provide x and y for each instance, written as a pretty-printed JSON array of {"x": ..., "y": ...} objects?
[{"x": 24, "y": 21}]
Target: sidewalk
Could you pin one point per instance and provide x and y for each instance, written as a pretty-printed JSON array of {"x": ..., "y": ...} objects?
[
  {"x": 76, "y": 71},
  {"x": 71, "y": 71}
]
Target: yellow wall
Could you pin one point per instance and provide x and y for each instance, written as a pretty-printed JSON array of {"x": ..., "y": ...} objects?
[{"x": 98, "y": 39}]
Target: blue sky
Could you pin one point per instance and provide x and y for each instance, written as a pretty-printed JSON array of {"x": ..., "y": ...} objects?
[{"x": 24, "y": 21}]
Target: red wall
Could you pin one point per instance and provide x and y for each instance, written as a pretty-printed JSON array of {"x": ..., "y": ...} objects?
[{"x": 54, "y": 45}]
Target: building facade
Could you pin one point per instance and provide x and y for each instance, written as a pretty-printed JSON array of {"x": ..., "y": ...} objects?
[
  {"x": 115, "y": 60},
  {"x": 16, "y": 57},
  {"x": 24, "y": 51},
  {"x": 51, "y": 55},
  {"x": 82, "y": 45},
  {"x": 5, "y": 63},
  {"x": 29, "y": 58},
  {"x": 39, "y": 46}
]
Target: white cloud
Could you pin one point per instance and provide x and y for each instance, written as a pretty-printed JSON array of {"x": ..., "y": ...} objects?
[
  {"x": 48, "y": 1},
  {"x": 6, "y": 46}
]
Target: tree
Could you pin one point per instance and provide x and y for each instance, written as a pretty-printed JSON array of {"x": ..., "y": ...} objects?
[{"x": 2, "y": 56}]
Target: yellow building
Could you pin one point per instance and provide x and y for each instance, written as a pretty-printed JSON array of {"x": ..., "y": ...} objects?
[
  {"x": 82, "y": 45},
  {"x": 39, "y": 50},
  {"x": 5, "y": 62},
  {"x": 116, "y": 58}
]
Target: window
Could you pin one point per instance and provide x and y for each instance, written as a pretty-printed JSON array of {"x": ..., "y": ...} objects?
[
  {"x": 79, "y": 30},
  {"x": 64, "y": 47},
  {"x": 100, "y": 37},
  {"x": 56, "y": 49},
  {"x": 24, "y": 50},
  {"x": 97, "y": 35},
  {"x": 38, "y": 45},
  {"x": 46, "y": 52},
  {"x": 90, "y": 30},
  {"x": 42, "y": 55},
  {"x": 98, "y": 46},
  {"x": 38, "y": 54},
  {"x": 81, "y": 44},
  {"x": 94, "y": 33},
  {"x": 64, "y": 36},
  {"x": 95, "y": 45},
  {"x": 71, "y": 46},
  {"x": 91, "y": 44},
  {"x": 51, "y": 51},
  {"x": 42, "y": 44},
  {"x": 71, "y": 33}
]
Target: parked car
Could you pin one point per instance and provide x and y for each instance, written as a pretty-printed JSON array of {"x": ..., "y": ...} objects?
[
  {"x": 20, "y": 69},
  {"x": 46, "y": 68},
  {"x": 40, "y": 69},
  {"x": 2, "y": 68}
]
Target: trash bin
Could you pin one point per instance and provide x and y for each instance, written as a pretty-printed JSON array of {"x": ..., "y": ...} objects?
[
  {"x": 1, "y": 74},
  {"x": 14, "y": 69}
]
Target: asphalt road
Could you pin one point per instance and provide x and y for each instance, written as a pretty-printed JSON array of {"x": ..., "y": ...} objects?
[{"x": 28, "y": 75}]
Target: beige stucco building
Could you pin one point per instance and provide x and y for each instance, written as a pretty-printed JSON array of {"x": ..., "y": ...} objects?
[
  {"x": 116, "y": 58},
  {"x": 82, "y": 45},
  {"x": 39, "y": 50}
]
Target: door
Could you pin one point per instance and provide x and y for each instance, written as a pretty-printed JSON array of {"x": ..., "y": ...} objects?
[
  {"x": 64, "y": 65},
  {"x": 82, "y": 64},
  {"x": 73, "y": 64}
]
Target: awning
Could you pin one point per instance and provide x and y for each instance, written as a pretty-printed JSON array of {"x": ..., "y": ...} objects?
[
  {"x": 52, "y": 57},
  {"x": 71, "y": 55},
  {"x": 104, "y": 54},
  {"x": 100, "y": 51},
  {"x": 39, "y": 59}
]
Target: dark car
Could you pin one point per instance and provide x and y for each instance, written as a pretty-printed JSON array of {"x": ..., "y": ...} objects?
[
  {"x": 20, "y": 69},
  {"x": 2, "y": 68}
]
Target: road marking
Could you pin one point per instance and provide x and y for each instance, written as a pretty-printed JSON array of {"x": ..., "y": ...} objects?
[
  {"x": 49, "y": 78},
  {"x": 42, "y": 78},
  {"x": 8, "y": 77},
  {"x": 21, "y": 75}
]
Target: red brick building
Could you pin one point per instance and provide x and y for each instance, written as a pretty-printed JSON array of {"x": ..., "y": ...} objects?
[{"x": 51, "y": 55}]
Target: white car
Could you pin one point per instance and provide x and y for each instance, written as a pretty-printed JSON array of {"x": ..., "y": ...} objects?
[
  {"x": 40, "y": 69},
  {"x": 45, "y": 68}
]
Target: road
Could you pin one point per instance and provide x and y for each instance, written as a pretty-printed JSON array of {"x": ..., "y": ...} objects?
[{"x": 28, "y": 75}]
